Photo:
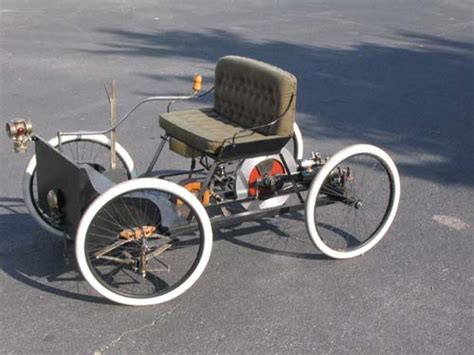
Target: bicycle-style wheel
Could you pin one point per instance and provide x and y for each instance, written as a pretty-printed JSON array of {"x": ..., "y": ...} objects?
[
  {"x": 136, "y": 246},
  {"x": 298, "y": 145},
  {"x": 352, "y": 201}
]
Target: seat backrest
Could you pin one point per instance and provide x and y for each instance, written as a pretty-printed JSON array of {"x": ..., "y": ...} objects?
[{"x": 252, "y": 93}]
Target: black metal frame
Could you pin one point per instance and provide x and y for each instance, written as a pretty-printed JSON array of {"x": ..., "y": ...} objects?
[
  {"x": 248, "y": 216},
  {"x": 244, "y": 216}
]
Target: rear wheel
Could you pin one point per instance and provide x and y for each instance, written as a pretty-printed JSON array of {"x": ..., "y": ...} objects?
[
  {"x": 90, "y": 150},
  {"x": 136, "y": 246},
  {"x": 352, "y": 201},
  {"x": 297, "y": 139}
]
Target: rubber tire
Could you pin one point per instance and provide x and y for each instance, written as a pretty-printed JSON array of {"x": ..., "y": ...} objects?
[
  {"x": 318, "y": 182},
  {"x": 298, "y": 145},
  {"x": 143, "y": 183},
  {"x": 31, "y": 167}
]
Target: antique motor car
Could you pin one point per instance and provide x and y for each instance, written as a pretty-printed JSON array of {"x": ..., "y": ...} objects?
[{"x": 143, "y": 239}]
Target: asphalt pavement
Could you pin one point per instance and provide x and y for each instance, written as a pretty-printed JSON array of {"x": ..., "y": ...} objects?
[{"x": 397, "y": 74}]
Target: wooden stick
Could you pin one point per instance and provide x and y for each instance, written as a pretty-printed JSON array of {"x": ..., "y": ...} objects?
[{"x": 113, "y": 120}]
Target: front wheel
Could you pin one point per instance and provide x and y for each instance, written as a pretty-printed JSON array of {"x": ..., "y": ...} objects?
[
  {"x": 136, "y": 246},
  {"x": 352, "y": 201}
]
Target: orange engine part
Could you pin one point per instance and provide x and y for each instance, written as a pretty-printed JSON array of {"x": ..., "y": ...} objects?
[
  {"x": 269, "y": 167},
  {"x": 194, "y": 186}
]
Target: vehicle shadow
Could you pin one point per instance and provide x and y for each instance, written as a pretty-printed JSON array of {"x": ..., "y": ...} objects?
[
  {"x": 412, "y": 96},
  {"x": 266, "y": 236},
  {"x": 36, "y": 258}
]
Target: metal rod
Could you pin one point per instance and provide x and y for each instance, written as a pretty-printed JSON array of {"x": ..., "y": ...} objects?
[
  {"x": 111, "y": 247},
  {"x": 194, "y": 95},
  {"x": 113, "y": 121},
  {"x": 116, "y": 125},
  {"x": 237, "y": 218},
  {"x": 158, "y": 251},
  {"x": 209, "y": 176},
  {"x": 252, "y": 198},
  {"x": 293, "y": 182},
  {"x": 248, "y": 216},
  {"x": 178, "y": 173},
  {"x": 59, "y": 141},
  {"x": 156, "y": 156},
  {"x": 193, "y": 166},
  {"x": 254, "y": 215}
]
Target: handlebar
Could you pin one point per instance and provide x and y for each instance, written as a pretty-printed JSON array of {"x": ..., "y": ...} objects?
[{"x": 197, "y": 83}]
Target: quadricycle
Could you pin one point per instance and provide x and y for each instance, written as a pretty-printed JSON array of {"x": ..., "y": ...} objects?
[{"x": 144, "y": 239}]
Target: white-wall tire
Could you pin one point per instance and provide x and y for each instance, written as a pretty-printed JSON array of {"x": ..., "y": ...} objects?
[
  {"x": 298, "y": 145},
  {"x": 317, "y": 183},
  {"x": 30, "y": 171},
  {"x": 130, "y": 186}
]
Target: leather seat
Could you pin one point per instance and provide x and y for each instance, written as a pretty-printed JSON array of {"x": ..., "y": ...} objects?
[{"x": 248, "y": 94}]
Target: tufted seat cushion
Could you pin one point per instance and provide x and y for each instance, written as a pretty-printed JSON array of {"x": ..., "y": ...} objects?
[
  {"x": 247, "y": 94},
  {"x": 252, "y": 93},
  {"x": 205, "y": 130}
]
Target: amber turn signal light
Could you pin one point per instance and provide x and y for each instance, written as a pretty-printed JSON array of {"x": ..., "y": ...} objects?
[{"x": 197, "y": 85}]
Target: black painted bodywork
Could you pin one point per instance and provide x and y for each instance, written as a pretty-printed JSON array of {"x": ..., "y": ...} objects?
[{"x": 72, "y": 183}]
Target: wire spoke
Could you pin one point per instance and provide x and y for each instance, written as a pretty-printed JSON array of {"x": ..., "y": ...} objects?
[
  {"x": 365, "y": 198},
  {"x": 135, "y": 209}
]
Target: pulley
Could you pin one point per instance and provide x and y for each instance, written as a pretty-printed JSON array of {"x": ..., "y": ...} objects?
[{"x": 260, "y": 169}]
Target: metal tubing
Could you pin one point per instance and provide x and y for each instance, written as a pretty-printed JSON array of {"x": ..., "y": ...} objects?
[
  {"x": 156, "y": 156},
  {"x": 248, "y": 199},
  {"x": 178, "y": 173},
  {"x": 194, "y": 95},
  {"x": 59, "y": 141},
  {"x": 246, "y": 216},
  {"x": 191, "y": 169},
  {"x": 254, "y": 215},
  {"x": 115, "y": 126},
  {"x": 209, "y": 176},
  {"x": 291, "y": 178},
  {"x": 113, "y": 121}
]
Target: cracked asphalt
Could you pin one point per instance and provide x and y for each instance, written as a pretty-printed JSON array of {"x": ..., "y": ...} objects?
[{"x": 397, "y": 74}]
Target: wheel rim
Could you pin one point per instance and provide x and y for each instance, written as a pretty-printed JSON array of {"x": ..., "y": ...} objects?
[
  {"x": 345, "y": 223},
  {"x": 297, "y": 142},
  {"x": 170, "y": 257},
  {"x": 361, "y": 203},
  {"x": 84, "y": 152}
]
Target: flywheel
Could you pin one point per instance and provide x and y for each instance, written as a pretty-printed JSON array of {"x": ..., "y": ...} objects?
[{"x": 253, "y": 169}]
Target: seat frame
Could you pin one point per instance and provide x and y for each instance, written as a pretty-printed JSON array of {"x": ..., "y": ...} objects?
[
  {"x": 228, "y": 152},
  {"x": 211, "y": 168}
]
